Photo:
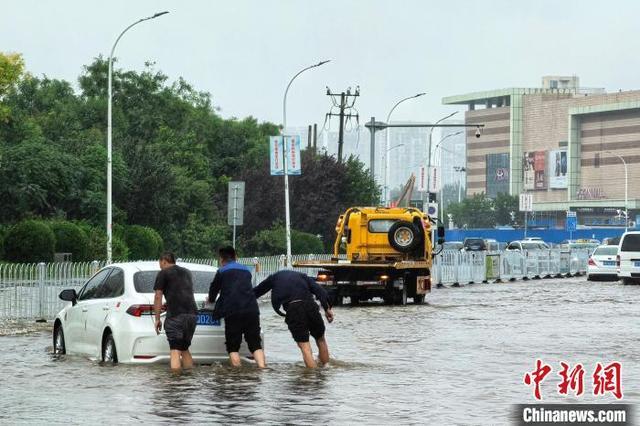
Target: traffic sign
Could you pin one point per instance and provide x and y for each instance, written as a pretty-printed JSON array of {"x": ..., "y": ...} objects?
[
  {"x": 526, "y": 202},
  {"x": 571, "y": 223},
  {"x": 235, "y": 203}
]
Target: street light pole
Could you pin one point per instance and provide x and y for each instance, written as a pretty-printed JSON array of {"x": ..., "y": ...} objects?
[
  {"x": 440, "y": 164},
  {"x": 109, "y": 138},
  {"x": 386, "y": 189},
  {"x": 626, "y": 191},
  {"x": 428, "y": 189},
  {"x": 286, "y": 172},
  {"x": 387, "y": 143}
]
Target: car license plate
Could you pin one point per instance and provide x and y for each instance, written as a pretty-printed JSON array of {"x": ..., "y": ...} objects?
[
  {"x": 611, "y": 263},
  {"x": 206, "y": 318}
]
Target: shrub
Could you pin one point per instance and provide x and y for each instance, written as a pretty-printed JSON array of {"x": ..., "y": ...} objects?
[
  {"x": 273, "y": 241},
  {"x": 201, "y": 240},
  {"x": 97, "y": 244},
  {"x": 143, "y": 242},
  {"x": 29, "y": 241},
  {"x": 70, "y": 238}
]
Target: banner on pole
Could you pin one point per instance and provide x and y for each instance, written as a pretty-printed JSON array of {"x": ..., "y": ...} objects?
[
  {"x": 422, "y": 179},
  {"x": 293, "y": 155},
  {"x": 285, "y": 148},
  {"x": 434, "y": 179}
]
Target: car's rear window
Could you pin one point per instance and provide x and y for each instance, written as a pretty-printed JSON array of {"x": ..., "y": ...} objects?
[
  {"x": 606, "y": 251},
  {"x": 143, "y": 281},
  {"x": 631, "y": 242},
  {"x": 380, "y": 225}
]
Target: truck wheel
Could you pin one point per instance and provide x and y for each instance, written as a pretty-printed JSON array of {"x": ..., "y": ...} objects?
[
  {"x": 401, "y": 296},
  {"x": 355, "y": 300},
  {"x": 418, "y": 299},
  {"x": 404, "y": 236},
  {"x": 336, "y": 298}
]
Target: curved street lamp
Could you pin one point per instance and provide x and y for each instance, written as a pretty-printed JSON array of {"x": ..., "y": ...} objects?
[
  {"x": 109, "y": 138},
  {"x": 286, "y": 175},
  {"x": 626, "y": 191},
  {"x": 387, "y": 141},
  {"x": 429, "y": 154}
]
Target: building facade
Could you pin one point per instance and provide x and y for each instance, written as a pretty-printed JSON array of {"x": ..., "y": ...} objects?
[{"x": 563, "y": 144}]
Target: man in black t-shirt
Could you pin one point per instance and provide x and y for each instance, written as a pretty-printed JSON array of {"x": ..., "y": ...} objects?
[{"x": 176, "y": 285}]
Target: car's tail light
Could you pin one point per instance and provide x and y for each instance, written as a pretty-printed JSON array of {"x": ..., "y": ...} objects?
[
  {"x": 618, "y": 260},
  {"x": 139, "y": 310},
  {"x": 324, "y": 277},
  {"x": 591, "y": 262}
]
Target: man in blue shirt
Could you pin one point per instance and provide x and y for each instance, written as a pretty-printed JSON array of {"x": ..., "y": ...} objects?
[
  {"x": 238, "y": 306},
  {"x": 294, "y": 292}
]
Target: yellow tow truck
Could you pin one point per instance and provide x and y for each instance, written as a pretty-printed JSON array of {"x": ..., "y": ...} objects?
[{"x": 379, "y": 252}]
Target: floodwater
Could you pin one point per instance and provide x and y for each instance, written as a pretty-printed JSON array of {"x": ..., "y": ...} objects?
[{"x": 460, "y": 359}]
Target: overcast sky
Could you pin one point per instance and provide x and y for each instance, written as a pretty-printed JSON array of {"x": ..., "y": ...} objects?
[{"x": 244, "y": 52}]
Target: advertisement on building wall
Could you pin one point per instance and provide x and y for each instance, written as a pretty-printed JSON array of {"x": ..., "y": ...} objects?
[
  {"x": 558, "y": 169},
  {"x": 497, "y": 177},
  {"x": 534, "y": 170}
]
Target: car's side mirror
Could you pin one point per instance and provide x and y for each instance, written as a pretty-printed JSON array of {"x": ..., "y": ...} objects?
[
  {"x": 69, "y": 295},
  {"x": 440, "y": 234}
]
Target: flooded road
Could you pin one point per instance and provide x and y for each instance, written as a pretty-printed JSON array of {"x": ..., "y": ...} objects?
[{"x": 460, "y": 359}]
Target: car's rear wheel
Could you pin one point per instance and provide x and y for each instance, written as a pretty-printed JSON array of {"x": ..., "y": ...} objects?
[
  {"x": 418, "y": 299},
  {"x": 59, "y": 347},
  {"x": 109, "y": 352},
  {"x": 589, "y": 278}
]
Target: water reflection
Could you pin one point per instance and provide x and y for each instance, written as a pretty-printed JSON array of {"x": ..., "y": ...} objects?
[{"x": 459, "y": 359}]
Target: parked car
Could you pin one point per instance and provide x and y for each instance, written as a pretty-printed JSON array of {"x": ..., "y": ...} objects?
[
  {"x": 474, "y": 244},
  {"x": 589, "y": 244},
  {"x": 522, "y": 245},
  {"x": 628, "y": 258},
  {"x": 111, "y": 317},
  {"x": 453, "y": 245},
  {"x": 602, "y": 263}
]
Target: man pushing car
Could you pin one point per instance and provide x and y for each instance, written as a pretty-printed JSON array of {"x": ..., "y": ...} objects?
[{"x": 294, "y": 292}]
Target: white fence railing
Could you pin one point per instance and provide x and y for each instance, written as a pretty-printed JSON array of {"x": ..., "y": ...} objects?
[{"x": 30, "y": 291}]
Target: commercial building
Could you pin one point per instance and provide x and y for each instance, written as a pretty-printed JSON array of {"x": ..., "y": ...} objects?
[{"x": 562, "y": 143}]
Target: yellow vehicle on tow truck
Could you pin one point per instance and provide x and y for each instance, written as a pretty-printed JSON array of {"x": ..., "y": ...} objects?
[{"x": 379, "y": 252}]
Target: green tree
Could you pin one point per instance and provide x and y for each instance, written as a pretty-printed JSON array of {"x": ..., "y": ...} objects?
[
  {"x": 202, "y": 240},
  {"x": 11, "y": 70},
  {"x": 29, "y": 241},
  {"x": 273, "y": 241},
  {"x": 70, "y": 238},
  {"x": 143, "y": 242},
  {"x": 477, "y": 211}
]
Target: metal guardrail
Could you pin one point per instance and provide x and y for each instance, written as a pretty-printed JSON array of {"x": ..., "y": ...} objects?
[
  {"x": 455, "y": 267},
  {"x": 30, "y": 291}
]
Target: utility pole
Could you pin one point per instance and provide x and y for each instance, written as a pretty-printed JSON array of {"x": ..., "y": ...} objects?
[
  {"x": 343, "y": 105},
  {"x": 315, "y": 138}
]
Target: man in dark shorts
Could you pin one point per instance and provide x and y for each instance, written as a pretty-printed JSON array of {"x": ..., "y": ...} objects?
[
  {"x": 176, "y": 285},
  {"x": 238, "y": 306},
  {"x": 294, "y": 292}
]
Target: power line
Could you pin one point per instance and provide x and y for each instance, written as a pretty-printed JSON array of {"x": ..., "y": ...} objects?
[{"x": 345, "y": 104}]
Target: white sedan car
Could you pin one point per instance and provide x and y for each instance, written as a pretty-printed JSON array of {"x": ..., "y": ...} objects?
[
  {"x": 602, "y": 263},
  {"x": 111, "y": 318}
]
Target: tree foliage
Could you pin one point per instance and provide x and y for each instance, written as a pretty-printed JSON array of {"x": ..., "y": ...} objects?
[
  {"x": 29, "y": 241},
  {"x": 173, "y": 157},
  {"x": 273, "y": 241},
  {"x": 480, "y": 211}
]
